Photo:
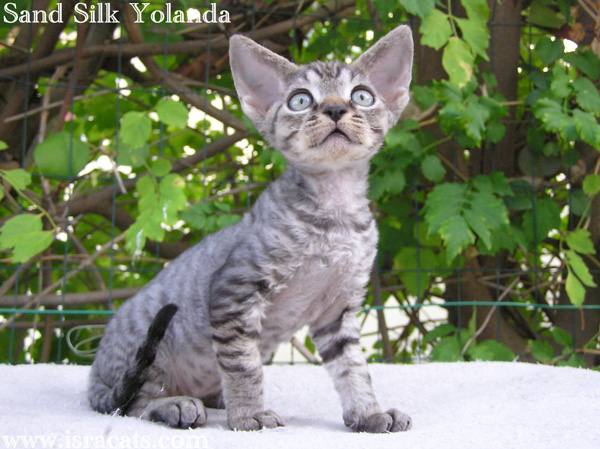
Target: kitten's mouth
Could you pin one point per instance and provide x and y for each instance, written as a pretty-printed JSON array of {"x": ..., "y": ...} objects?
[{"x": 337, "y": 132}]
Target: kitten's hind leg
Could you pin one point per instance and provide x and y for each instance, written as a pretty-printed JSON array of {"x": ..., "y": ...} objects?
[{"x": 181, "y": 412}]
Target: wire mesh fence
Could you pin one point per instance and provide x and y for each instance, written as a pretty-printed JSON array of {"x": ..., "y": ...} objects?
[{"x": 485, "y": 206}]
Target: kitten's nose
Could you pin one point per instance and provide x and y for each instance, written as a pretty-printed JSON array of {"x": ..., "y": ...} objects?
[{"x": 335, "y": 112}]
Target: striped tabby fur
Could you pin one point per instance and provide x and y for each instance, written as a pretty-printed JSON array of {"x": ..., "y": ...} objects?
[{"x": 301, "y": 256}]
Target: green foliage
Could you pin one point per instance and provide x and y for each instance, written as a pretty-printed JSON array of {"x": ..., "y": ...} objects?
[
  {"x": 17, "y": 178},
  {"x": 591, "y": 184},
  {"x": 172, "y": 113},
  {"x": 421, "y": 8},
  {"x": 440, "y": 29},
  {"x": 460, "y": 212},
  {"x": 458, "y": 61},
  {"x": 541, "y": 350},
  {"x": 442, "y": 203},
  {"x": 23, "y": 235},
  {"x": 158, "y": 205},
  {"x": 436, "y": 29},
  {"x": 452, "y": 346},
  {"x": 59, "y": 155},
  {"x": 135, "y": 129}
]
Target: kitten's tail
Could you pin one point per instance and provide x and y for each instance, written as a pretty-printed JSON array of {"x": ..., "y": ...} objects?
[{"x": 122, "y": 395}]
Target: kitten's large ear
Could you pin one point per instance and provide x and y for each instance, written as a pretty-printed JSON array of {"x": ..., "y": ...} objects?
[
  {"x": 259, "y": 76},
  {"x": 388, "y": 66}
]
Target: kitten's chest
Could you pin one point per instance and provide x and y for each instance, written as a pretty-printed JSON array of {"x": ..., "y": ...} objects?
[{"x": 324, "y": 276}]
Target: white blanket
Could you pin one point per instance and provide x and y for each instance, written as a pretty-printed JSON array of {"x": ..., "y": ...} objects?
[{"x": 454, "y": 405}]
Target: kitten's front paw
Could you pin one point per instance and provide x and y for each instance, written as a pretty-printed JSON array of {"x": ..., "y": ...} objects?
[
  {"x": 265, "y": 419},
  {"x": 390, "y": 421}
]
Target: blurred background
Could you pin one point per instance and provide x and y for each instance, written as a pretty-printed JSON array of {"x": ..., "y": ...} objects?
[{"x": 123, "y": 144}]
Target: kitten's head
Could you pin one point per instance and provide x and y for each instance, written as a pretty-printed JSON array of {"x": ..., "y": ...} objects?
[{"x": 324, "y": 114}]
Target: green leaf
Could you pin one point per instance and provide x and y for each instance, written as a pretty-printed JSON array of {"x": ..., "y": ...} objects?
[
  {"x": 441, "y": 331},
  {"x": 574, "y": 361},
  {"x": 160, "y": 167},
  {"x": 575, "y": 290},
  {"x": 3, "y": 145},
  {"x": 547, "y": 218},
  {"x": 172, "y": 113},
  {"x": 591, "y": 184},
  {"x": 579, "y": 240},
  {"x": 424, "y": 96},
  {"x": 457, "y": 236},
  {"x": 420, "y": 8},
  {"x": 219, "y": 205},
  {"x": 502, "y": 238},
  {"x": 491, "y": 350},
  {"x": 18, "y": 178},
  {"x": 475, "y": 116},
  {"x": 132, "y": 156},
  {"x": 587, "y": 127},
  {"x": 413, "y": 265},
  {"x": 432, "y": 168},
  {"x": 542, "y": 15},
  {"x": 445, "y": 200},
  {"x": 477, "y": 224},
  {"x": 500, "y": 184},
  {"x": 541, "y": 350},
  {"x": 24, "y": 235},
  {"x": 490, "y": 208},
  {"x": 385, "y": 7},
  {"x": 448, "y": 92},
  {"x": 135, "y": 238},
  {"x": 458, "y": 61},
  {"x": 561, "y": 83},
  {"x": 476, "y": 34},
  {"x": 436, "y": 29},
  {"x": 457, "y": 211},
  {"x": 579, "y": 203},
  {"x": 576, "y": 264},
  {"x": 495, "y": 131},
  {"x": 448, "y": 349},
  {"x": 390, "y": 182},
  {"x": 146, "y": 190},
  {"x": 586, "y": 61},
  {"x": 522, "y": 195},
  {"x": 587, "y": 96},
  {"x": 196, "y": 215},
  {"x": 549, "y": 50},
  {"x": 172, "y": 198},
  {"x": 59, "y": 155},
  {"x": 477, "y": 10},
  {"x": 551, "y": 113},
  {"x": 135, "y": 129},
  {"x": 157, "y": 207},
  {"x": 226, "y": 220},
  {"x": 562, "y": 337}
]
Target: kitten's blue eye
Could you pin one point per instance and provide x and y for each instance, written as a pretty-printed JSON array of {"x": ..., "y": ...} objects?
[
  {"x": 300, "y": 101},
  {"x": 363, "y": 97}
]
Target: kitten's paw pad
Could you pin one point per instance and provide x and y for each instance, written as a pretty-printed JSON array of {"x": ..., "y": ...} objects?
[
  {"x": 265, "y": 419},
  {"x": 181, "y": 412},
  {"x": 390, "y": 421}
]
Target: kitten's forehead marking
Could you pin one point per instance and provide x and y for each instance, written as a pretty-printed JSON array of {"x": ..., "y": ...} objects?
[{"x": 326, "y": 78}]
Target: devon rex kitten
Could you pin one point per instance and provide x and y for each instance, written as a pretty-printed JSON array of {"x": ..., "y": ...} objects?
[{"x": 198, "y": 333}]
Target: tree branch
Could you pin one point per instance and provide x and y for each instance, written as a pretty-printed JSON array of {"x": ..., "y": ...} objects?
[{"x": 70, "y": 299}]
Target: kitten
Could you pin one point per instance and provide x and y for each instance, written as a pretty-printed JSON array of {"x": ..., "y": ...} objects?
[{"x": 198, "y": 333}]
